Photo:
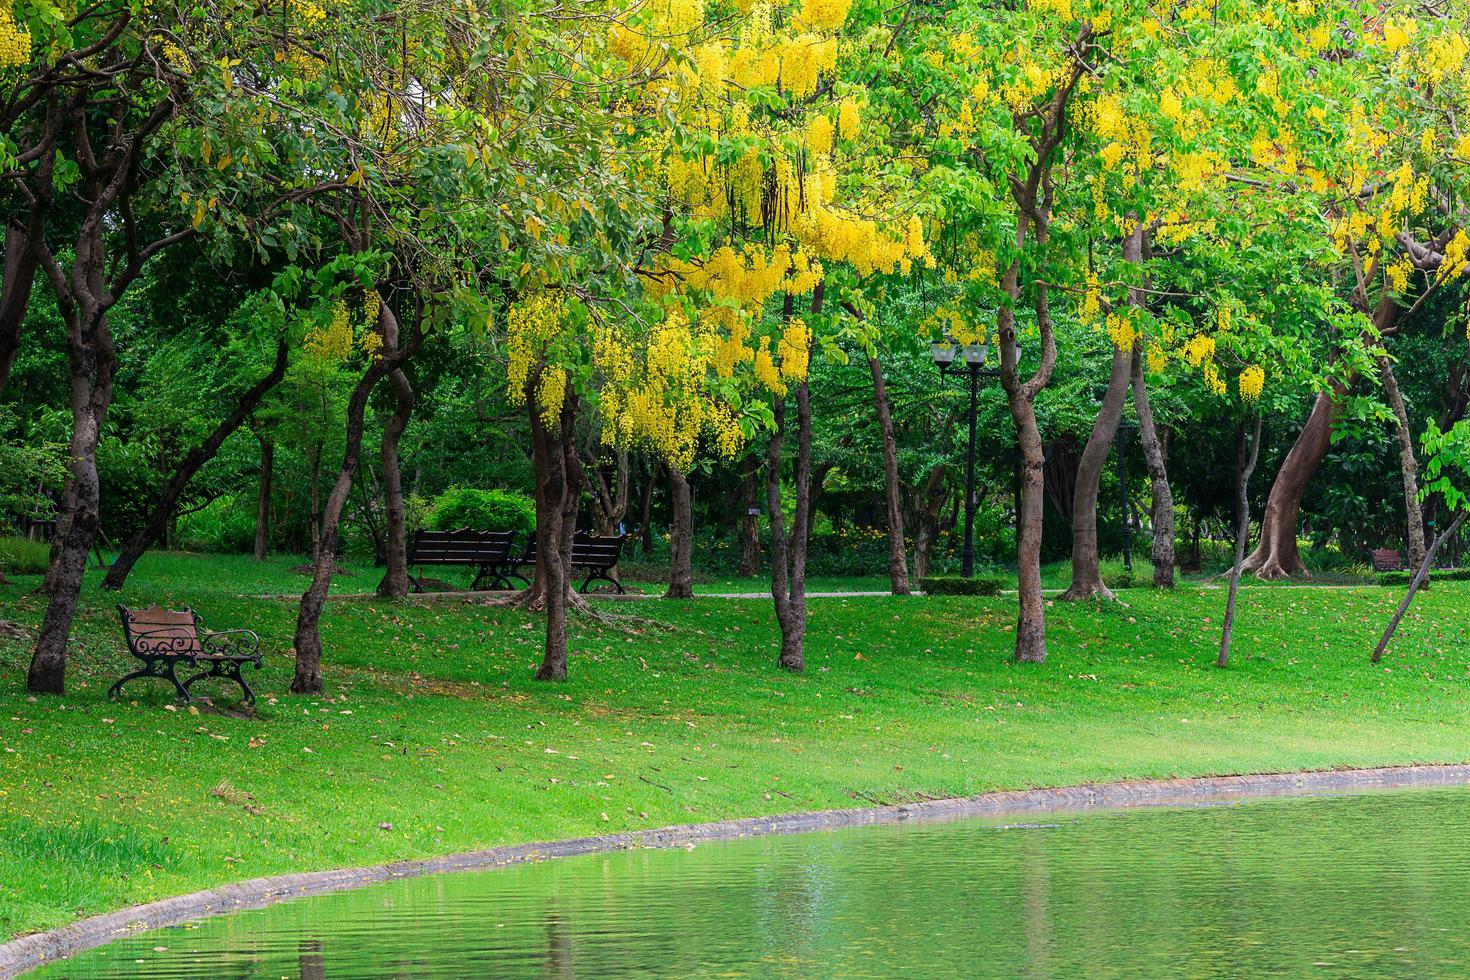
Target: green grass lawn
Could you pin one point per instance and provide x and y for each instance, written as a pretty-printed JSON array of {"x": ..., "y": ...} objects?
[{"x": 434, "y": 738}]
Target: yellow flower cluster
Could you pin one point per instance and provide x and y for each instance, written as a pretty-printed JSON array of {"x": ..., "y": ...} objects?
[
  {"x": 847, "y": 119},
  {"x": 751, "y": 276},
  {"x": 1122, "y": 331},
  {"x": 15, "y": 41},
  {"x": 531, "y": 326},
  {"x": 823, "y": 15},
  {"x": 1199, "y": 350},
  {"x": 1252, "y": 382},
  {"x": 1155, "y": 358},
  {"x": 331, "y": 344},
  {"x": 1455, "y": 256},
  {"x": 1444, "y": 57}
]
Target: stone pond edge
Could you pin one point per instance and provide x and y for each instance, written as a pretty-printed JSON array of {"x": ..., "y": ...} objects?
[{"x": 38, "y": 949}]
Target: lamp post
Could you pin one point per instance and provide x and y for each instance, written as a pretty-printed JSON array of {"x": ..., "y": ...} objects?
[
  {"x": 1125, "y": 432},
  {"x": 943, "y": 352}
]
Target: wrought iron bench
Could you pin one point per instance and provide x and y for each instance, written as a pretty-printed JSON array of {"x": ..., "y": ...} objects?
[
  {"x": 165, "y": 638},
  {"x": 488, "y": 551},
  {"x": 1387, "y": 560},
  {"x": 596, "y": 556}
]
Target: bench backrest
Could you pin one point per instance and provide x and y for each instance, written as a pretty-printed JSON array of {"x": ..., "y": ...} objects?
[
  {"x": 461, "y": 547},
  {"x": 590, "y": 552},
  {"x": 1387, "y": 559},
  {"x": 155, "y": 631},
  {"x": 587, "y": 551}
]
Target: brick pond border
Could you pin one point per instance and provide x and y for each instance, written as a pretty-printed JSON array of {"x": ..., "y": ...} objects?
[{"x": 30, "y": 952}]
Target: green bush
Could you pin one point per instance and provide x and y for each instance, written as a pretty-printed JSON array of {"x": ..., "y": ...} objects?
[
  {"x": 483, "y": 510},
  {"x": 22, "y": 556},
  {"x": 225, "y": 525},
  {"x": 1120, "y": 579},
  {"x": 1435, "y": 575},
  {"x": 954, "y": 585}
]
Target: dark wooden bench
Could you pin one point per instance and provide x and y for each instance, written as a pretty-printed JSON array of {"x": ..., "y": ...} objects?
[
  {"x": 595, "y": 555},
  {"x": 488, "y": 551},
  {"x": 165, "y": 638},
  {"x": 1387, "y": 560}
]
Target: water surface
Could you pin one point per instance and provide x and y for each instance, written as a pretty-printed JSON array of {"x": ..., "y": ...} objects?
[{"x": 1370, "y": 884}]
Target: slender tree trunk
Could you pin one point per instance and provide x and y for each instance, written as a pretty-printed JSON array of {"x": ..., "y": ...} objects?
[
  {"x": 1408, "y": 465},
  {"x": 645, "y": 516},
  {"x": 1246, "y": 466},
  {"x": 164, "y": 509},
  {"x": 750, "y": 523},
  {"x": 263, "y": 499},
  {"x": 558, "y": 488},
  {"x": 1418, "y": 582},
  {"x": 1163, "y": 497},
  {"x": 1087, "y": 582},
  {"x": 681, "y": 537},
  {"x": 308, "y": 642},
  {"x": 898, "y": 566},
  {"x": 15, "y": 296},
  {"x": 788, "y": 551},
  {"x": 931, "y": 508},
  {"x": 316, "y": 502},
  {"x": 395, "y": 552}
]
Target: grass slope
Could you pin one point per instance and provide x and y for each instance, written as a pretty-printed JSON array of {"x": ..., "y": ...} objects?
[{"x": 435, "y": 739}]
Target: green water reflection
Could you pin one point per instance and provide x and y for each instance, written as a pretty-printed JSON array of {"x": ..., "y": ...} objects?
[{"x": 1375, "y": 884}]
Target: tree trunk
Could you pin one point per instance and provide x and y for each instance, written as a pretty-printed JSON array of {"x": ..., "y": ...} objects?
[
  {"x": 788, "y": 551},
  {"x": 1246, "y": 466},
  {"x": 558, "y": 489},
  {"x": 1416, "y": 584},
  {"x": 681, "y": 537},
  {"x": 1087, "y": 580},
  {"x": 898, "y": 566},
  {"x": 931, "y": 508},
  {"x": 395, "y": 552},
  {"x": 164, "y": 509},
  {"x": 263, "y": 499},
  {"x": 308, "y": 642},
  {"x": 1408, "y": 465},
  {"x": 15, "y": 296},
  {"x": 645, "y": 516},
  {"x": 750, "y": 523},
  {"x": 1276, "y": 555},
  {"x": 1163, "y": 497}
]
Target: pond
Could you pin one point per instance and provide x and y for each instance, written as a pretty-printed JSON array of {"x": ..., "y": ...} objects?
[{"x": 1373, "y": 883}]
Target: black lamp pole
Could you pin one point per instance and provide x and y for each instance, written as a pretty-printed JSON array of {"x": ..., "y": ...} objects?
[{"x": 943, "y": 353}]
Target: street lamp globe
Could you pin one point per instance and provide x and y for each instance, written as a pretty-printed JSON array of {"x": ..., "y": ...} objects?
[
  {"x": 975, "y": 354},
  {"x": 943, "y": 352}
]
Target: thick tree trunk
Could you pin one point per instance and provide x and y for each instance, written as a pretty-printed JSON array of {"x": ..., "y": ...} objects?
[
  {"x": 1245, "y": 466},
  {"x": 898, "y": 566},
  {"x": 308, "y": 642},
  {"x": 1163, "y": 497},
  {"x": 1276, "y": 555},
  {"x": 1418, "y": 582},
  {"x": 263, "y": 498},
  {"x": 164, "y": 509},
  {"x": 395, "y": 551},
  {"x": 750, "y": 523},
  {"x": 93, "y": 368},
  {"x": 1408, "y": 465},
  {"x": 681, "y": 537}
]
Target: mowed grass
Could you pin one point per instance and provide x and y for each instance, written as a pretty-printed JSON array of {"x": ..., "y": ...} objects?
[{"x": 433, "y": 738}]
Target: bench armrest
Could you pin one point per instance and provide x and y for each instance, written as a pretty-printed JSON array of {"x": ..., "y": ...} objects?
[{"x": 243, "y": 644}]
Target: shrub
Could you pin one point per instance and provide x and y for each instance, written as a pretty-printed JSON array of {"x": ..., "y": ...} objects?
[
  {"x": 226, "y": 524},
  {"x": 483, "y": 510},
  {"x": 22, "y": 556},
  {"x": 1120, "y": 579},
  {"x": 954, "y": 585}
]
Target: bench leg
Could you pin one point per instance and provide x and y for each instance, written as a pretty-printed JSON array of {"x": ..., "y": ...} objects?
[
  {"x": 601, "y": 575},
  {"x": 225, "y": 671},
  {"x": 153, "y": 670}
]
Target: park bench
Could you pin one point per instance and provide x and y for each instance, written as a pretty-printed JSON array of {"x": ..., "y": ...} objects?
[
  {"x": 164, "y": 639},
  {"x": 488, "y": 551},
  {"x": 1387, "y": 560},
  {"x": 597, "y": 556}
]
